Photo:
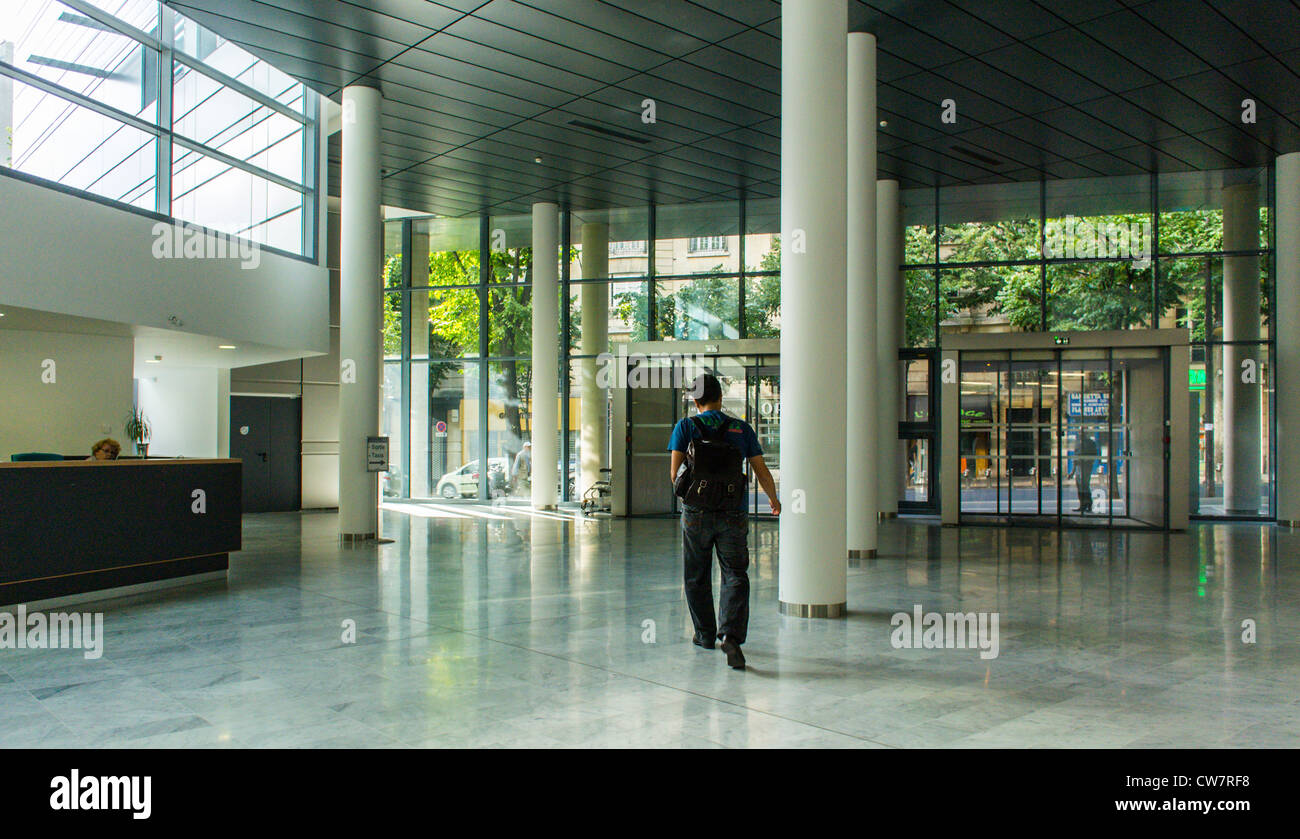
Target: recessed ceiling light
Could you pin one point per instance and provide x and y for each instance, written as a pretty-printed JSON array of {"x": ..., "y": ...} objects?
[
  {"x": 226, "y": 346},
  {"x": 537, "y": 160},
  {"x": 884, "y": 123}
]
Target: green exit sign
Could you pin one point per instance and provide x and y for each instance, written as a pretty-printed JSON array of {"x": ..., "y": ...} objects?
[{"x": 1196, "y": 378}]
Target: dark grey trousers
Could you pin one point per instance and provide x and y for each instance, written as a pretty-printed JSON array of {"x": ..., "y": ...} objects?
[{"x": 728, "y": 532}]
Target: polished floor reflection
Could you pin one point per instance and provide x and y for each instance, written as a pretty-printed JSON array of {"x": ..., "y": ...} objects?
[{"x": 497, "y": 626}]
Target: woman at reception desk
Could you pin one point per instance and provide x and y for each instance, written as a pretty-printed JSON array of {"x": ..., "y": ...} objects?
[
  {"x": 106, "y": 449},
  {"x": 156, "y": 520}
]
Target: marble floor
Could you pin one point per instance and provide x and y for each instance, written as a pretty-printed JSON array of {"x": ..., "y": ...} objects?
[{"x": 496, "y": 626}]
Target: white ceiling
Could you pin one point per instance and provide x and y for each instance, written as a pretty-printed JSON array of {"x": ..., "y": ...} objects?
[{"x": 178, "y": 349}]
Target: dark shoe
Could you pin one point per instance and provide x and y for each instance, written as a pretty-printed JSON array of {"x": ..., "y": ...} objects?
[
  {"x": 735, "y": 658},
  {"x": 705, "y": 642}
]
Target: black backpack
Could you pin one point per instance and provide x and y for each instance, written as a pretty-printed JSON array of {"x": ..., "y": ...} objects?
[{"x": 714, "y": 477}]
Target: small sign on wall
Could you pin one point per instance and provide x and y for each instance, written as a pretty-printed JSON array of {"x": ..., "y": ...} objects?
[{"x": 376, "y": 454}]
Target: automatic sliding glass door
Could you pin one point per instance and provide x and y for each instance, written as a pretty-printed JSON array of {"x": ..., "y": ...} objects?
[
  {"x": 981, "y": 445},
  {"x": 1029, "y": 398},
  {"x": 1075, "y": 437},
  {"x": 1088, "y": 489}
]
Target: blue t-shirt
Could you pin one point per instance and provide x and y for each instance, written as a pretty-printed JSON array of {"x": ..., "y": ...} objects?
[{"x": 740, "y": 435}]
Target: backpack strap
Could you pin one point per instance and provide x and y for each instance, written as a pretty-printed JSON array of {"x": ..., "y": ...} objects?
[
  {"x": 713, "y": 433},
  {"x": 706, "y": 433}
]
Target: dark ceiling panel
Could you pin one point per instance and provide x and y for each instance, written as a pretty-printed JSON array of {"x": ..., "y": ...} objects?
[
  {"x": 1180, "y": 110},
  {"x": 1028, "y": 96},
  {"x": 1087, "y": 128},
  {"x": 476, "y": 31},
  {"x": 727, "y": 64},
  {"x": 748, "y": 102},
  {"x": 698, "y": 20},
  {"x": 476, "y": 91},
  {"x": 750, "y": 13},
  {"x": 1218, "y": 92},
  {"x": 682, "y": 105},
  {"x": 1275, "y": 24},
  {"x": 1091, "y": 59},
  {"x": 1000, "y": 145},
  {"x": 1018, "y": 18},
  {"x": 1198, "y": 154},
  {"x": 513, "y": 107},
  {"x": 1128, "y": 37},
  {"x": 1043, "y": 73},
  {"x": 932, "y": 89},
  {"x": 1076, "y": 13},
  {"x": 1130, "y": 117},
  {"x": 612, "y": 111},
  {"x": 945, "y": 22},
  {"x": 658, "y": 32},
  {"x": 1049, "y": 131},
  {"x": 463, "y": 53},
  {"x": 381, "y": 39},
  {"x": 916, "y": 48},
  {"x": 1232, "y": 142},
  {"x": 757, "y": 47},
  {"x": 1108, "y": 163},
  {"x": 1269, "y": 80},
  {"x": 633, "y": 53},
  {"x": 1195, "y": 25}
]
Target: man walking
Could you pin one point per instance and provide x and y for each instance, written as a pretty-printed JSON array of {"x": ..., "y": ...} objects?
[{"x": 714, "y": 514}]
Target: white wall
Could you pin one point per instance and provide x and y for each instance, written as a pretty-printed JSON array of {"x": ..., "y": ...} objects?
[
  {"x": 88, "y": 399},
  {"x": 182, "y": 408},
  {"x": 97, "y": 261}
]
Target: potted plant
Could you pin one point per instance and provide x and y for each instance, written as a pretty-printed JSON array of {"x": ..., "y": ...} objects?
[{"x": 138, "y": 430}]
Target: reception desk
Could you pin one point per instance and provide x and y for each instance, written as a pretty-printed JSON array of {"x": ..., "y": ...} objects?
[{"x": 76, "y": 527}]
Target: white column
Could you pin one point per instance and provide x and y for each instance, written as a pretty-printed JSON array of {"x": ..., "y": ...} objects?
[
  {"x": 545, "y": 424},
  {"x": 1242, "y": 457},
  {"x": 223, "y": 412},
  {"x": 889, "y": 337},
  {"x": 814, "y": 171},
  {"x": 361, "y": 255},
  {"x": 863, "y": 371},
  {"x": 1286, "y": 337},
  {"x": 595, "y": 340}
]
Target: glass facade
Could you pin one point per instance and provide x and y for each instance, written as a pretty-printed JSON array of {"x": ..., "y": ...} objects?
[
  {"x": 1083, "y": 255},
  {"x": 459, "y": 323},
  {"x": 133, "y": 103},
  {"x": 1186, "y": 250}
]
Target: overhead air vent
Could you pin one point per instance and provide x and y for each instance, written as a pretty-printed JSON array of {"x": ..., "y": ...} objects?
[
  {"x": 608, "y": 132},
  {"x": 971, "y": 154}
]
